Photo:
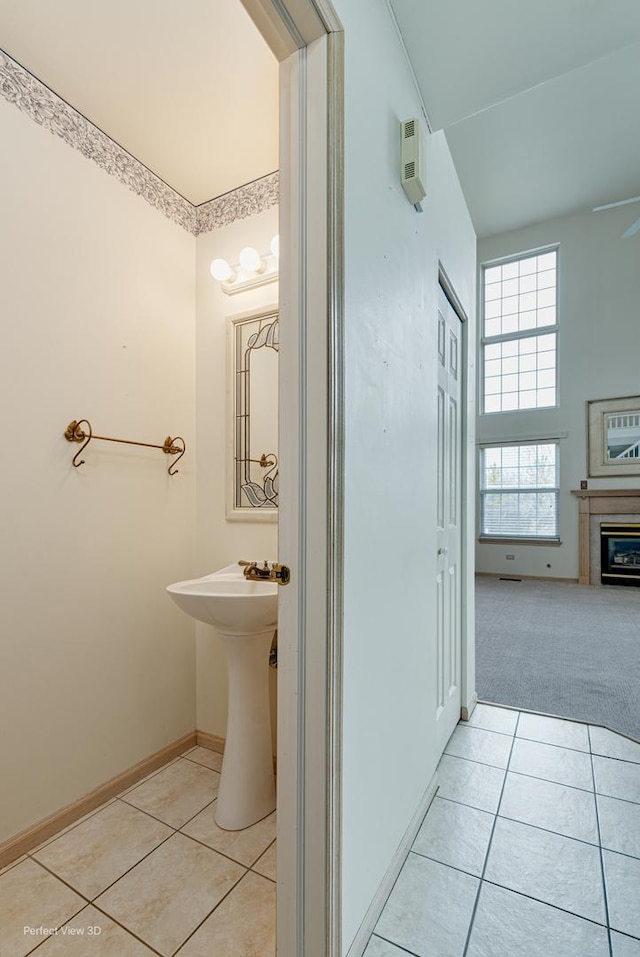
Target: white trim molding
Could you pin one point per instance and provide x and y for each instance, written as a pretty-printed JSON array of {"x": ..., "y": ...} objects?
[
  {"x": 310, "y": 519},
  {"x": 32, "y": 97}
]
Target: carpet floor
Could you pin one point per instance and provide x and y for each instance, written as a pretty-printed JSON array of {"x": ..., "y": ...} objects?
[{"x": 563, "y": 649}]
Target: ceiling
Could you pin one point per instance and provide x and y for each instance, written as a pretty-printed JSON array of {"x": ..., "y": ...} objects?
[
  {"x": 540, "y": 102},
  {"x": 190, "y": 89}
]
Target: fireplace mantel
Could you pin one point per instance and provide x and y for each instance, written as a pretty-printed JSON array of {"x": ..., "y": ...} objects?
[{"x": 599, "y": 501}]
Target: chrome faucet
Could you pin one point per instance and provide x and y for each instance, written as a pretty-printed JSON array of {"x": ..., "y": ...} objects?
[{"x": 274, "y": 572}]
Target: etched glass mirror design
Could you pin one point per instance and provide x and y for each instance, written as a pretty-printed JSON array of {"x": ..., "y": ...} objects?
[{"x": 253, "y": 491}]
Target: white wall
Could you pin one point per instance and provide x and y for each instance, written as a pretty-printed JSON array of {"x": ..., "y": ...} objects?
[
  {"x": 220, "y": 541},
  {"x": 391, "y": 263},
  {"x": 598, "y": 294},
  {"x": 98, "y": 320}
]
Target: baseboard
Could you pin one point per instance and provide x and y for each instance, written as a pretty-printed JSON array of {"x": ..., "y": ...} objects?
[
  {"x": 535, "y": 578},
  {"x": 16, "y": 846},
  {"x": 466, "y": 712},
  {"x": 215, "y": 743},
  {"x": 211, "y": 741},
  {"x": 360, "y": 941}
]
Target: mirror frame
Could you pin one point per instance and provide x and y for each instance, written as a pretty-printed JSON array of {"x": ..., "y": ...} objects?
[
  {"x": 597, "y": 462},
  {"x": 246, "y": 513}
]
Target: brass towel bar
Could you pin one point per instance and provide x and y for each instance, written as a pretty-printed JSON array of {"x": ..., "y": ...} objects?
[{"x": 75, "y": 433}]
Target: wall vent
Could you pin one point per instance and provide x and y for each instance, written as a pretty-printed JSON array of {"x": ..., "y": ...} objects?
[{"x": 413, "y": 162}]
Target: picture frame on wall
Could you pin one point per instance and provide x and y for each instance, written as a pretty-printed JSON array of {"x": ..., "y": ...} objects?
[{"x": 613, "y": 431}]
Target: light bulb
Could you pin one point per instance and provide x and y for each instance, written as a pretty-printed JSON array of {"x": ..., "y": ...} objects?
[
  {"x": 275, "y": 246},
  {"x": 221, "y": 270},
  {"x": 250, "y": 260}
]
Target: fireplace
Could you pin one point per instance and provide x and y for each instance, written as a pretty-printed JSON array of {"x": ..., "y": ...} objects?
[
  {"x": 620, "y": 553},
  {"x": 601, "y": 505}
]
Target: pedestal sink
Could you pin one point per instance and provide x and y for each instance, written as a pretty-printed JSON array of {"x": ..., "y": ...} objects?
[{"x": 245, "y": 615}]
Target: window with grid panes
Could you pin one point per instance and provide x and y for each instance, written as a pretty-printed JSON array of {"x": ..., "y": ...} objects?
[
  {"x": 519, "y": 333},
  {"x": 519, "y": 491}
]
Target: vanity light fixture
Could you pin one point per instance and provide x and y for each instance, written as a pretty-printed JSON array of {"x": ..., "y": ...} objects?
[
  {"x": 252, "y": 270},
  {"x": 251, "y": 260},
  {"x": 222, "y": 271}
]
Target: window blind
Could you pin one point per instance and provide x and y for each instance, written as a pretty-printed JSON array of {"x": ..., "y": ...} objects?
[{"x": 519, "y": 491}]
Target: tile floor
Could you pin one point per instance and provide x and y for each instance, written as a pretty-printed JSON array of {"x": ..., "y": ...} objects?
[
  {"x": 531, "y": 847},
  {"x": 147, "y": 873}
]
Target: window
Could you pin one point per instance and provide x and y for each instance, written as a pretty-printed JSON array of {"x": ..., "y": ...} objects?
[
  {"x": 519, "y": 330},
  {"x": 519, "y": 488}
]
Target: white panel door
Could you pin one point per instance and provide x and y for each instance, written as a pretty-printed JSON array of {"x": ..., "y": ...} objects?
[{"x": 449, "y": 504}]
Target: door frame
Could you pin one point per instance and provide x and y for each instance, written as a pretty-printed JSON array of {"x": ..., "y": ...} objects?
[
  {"x": 468, "y": 696},
  {"x": 451, "y": 448},
  {"x": 307, "y": 39}
]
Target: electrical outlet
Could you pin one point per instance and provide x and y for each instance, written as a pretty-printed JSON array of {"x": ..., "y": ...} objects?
[{"x": 510, "y": 558}]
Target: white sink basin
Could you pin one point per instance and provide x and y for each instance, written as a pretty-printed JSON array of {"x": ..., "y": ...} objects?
[
  {"x": 245, "y": 615},
  {"x": 229, "y": 602}
]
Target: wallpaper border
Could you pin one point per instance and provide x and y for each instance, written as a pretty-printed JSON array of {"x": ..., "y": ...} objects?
[
  {"x": 51, "y": 112},
  {"x": 239, "y": 203}
]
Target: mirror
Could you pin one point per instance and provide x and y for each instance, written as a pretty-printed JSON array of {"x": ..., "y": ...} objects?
[
  {"x": 614, "y": 436},
  {"x": 252, "y": 487}
]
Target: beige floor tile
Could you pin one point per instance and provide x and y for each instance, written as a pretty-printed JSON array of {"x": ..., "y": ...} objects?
[
  {"x": 244, "y": 925},
  {"x": 244, "y": 846},
  {"x": 69, "y": 827},
  {"x": 166, "y": 896},
  {"x": 148, "y": 777},
  {"x": 8, "y": 867},
  {"x": 92, "y": 934},
  {"x": 210, "y": 759},
  {"x": 267, "y": 863},
  {"x": 176, "y": 793},
  {"x": 30, "y": 897},
  {"x": 96, "y": 853}
]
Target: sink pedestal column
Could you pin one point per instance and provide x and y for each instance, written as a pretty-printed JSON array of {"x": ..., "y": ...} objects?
[{"x": 247, "y": 789}]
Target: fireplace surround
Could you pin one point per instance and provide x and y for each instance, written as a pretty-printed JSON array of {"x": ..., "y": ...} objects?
[{"x": 596, "y": 506}]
